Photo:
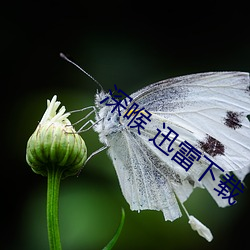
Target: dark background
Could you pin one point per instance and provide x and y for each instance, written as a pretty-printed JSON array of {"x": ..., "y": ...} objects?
[{"x": 130, "y": 44}]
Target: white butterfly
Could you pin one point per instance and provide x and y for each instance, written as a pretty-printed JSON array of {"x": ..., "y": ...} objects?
[{"x": 209, "y": 111}]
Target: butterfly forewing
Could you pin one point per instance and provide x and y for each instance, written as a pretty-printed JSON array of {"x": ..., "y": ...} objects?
[{"x": 213, "y": 106}]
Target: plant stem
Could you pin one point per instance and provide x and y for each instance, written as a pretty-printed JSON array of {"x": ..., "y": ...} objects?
[{"x": 54, "y": 177}]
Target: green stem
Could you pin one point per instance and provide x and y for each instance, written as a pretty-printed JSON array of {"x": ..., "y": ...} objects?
[{"x": 54, "y": 177}]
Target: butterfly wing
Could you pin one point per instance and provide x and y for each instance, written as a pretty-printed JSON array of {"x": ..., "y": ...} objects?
[
  {"x": 213, "y": 106},
  {"x": 142, "y": 183}
]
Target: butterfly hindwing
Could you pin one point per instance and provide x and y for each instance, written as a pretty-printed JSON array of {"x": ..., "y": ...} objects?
[{"x": 139, "y": 173}]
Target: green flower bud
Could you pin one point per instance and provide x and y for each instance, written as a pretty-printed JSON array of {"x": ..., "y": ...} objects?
[{"x": 55, "y": 144}]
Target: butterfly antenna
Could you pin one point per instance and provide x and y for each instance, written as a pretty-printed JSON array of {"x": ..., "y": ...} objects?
[{"x": 68, "y": 60}]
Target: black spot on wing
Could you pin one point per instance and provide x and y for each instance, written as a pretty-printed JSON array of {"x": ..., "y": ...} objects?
[
  {"x": 248, "y": 89},
  {"x": 191, "y": 181},
  {"x": 233, "y": 119},
  {"x": 248, "y": 117},
  {"x": 212, "y": 146}
]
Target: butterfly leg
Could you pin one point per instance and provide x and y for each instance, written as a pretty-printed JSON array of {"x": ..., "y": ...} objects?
[
  {"x": 86, "y": 116},
  {"x": 92, "y": 154},
  {"x": 81, "y": 129},
  {"x": 95, "y": 152}
]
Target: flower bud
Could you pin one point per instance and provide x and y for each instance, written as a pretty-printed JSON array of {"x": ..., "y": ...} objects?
[{"x": 55, "y": 144}]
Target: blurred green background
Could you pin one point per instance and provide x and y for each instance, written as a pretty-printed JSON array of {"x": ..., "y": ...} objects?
[{"x": 123, "y": 43}]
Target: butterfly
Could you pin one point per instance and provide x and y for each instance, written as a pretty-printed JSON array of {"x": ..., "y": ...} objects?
[
  {"x": 204, "y": 114},
  {"x": 207, "y": 110}
]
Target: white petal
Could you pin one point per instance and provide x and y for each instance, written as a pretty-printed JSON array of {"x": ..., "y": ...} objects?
[
  {"x": 51, "y": 114},
  {"x": 200, "y": 228}
]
